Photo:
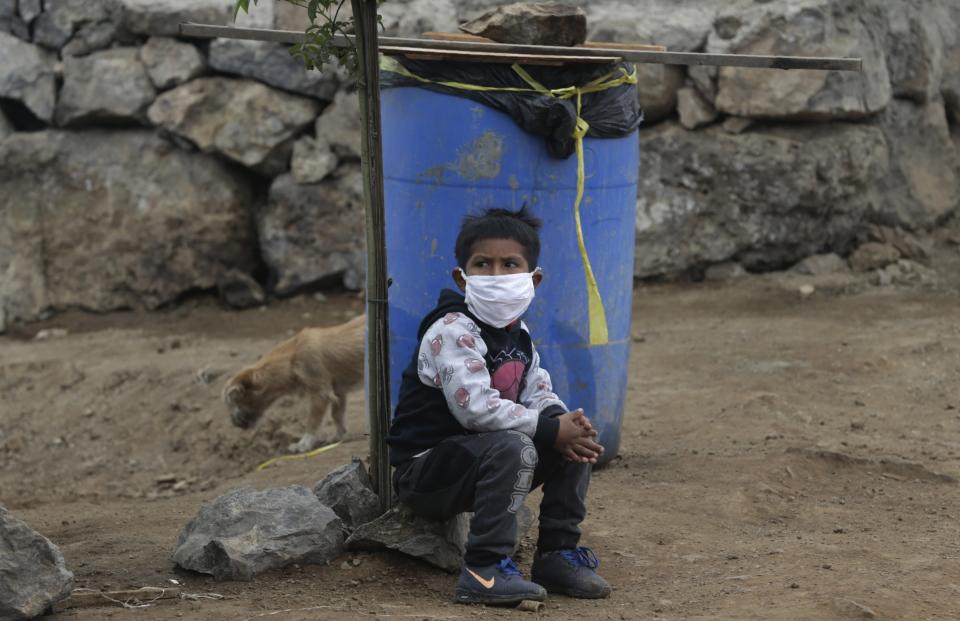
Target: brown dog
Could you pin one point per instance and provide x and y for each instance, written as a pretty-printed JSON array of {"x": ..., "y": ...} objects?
[{"x": 323, "y": 363}]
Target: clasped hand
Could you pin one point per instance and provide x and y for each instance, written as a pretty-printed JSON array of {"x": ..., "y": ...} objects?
[{"x": 575, "y": 438}]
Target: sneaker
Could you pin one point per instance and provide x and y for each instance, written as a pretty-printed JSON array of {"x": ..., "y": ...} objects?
[
  {"x": 571, "y": 572},
  {"x": 500, "y": 584}
]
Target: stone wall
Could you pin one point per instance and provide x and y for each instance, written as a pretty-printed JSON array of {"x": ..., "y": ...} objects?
[{"x": 136, "y": 166}]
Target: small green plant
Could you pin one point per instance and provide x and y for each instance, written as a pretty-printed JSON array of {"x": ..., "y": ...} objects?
[{"x": 317, "y": 48}]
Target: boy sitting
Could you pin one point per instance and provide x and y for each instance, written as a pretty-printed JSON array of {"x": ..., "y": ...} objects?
[{"x": 477, "y": 425}]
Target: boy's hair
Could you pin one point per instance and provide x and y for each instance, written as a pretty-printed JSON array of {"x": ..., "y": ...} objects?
[{"x": 498, "y": 223}]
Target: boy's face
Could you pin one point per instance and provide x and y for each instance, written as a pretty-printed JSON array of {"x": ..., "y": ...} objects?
[{"x": 495, "y": 257}]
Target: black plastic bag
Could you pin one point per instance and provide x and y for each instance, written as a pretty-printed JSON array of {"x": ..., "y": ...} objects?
[{"x": 610, "y": 113}]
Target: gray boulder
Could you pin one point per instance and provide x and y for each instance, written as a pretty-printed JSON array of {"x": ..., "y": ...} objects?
[
  {"x": 914, "y": 47},
  {"x": 176, "y": 221},
  {"x": 6, "y": 128},
  {"x": 418, "y": 16},
  {"x": 802, "y": 28},
  {"x": 246, "y": 532},
  {"x": 313, "y": 160},
  {"x": 245, "y": 121},
  {"x": 348, "y": 492},
  {"x": 680, "y": 25},
  {"x": 873, "y": 256},
  {"x": 29, "y": 9},
  {"x": 107, "y": 87},
  {"x": 949, "y": 20},
  {"x": 10, "y": 20},
  {"x": 77, "y": 26},
  {"x": 272, "y": 64},
  {"x": 821, "y": 264},
  {"x": 170, "y": 62},
  {"x": 923, "y": 188},
  {"x": 531, "y": 23},
  {"x": 339, "y": 125},
  {"x": 239, "y": 289},
  {"x": 657, "y": 86},
  {"x": 694, "y": 110},
  {"x": 163, "y": 17},
  {"x": 311, "y": 233},
  {"x": 33, "y": 575},
  {"x": 766, "y": 198},
  {"x": 440, "y": 544},
  {"x": 27, "y": 75}
]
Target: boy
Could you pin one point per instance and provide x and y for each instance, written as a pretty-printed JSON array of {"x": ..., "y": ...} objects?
[{"x": 477, "y": 424}]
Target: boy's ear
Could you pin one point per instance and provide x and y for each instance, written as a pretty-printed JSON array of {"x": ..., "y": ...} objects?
[
  {"x": 537, "y": 278},
  {"x": 458, "y": 278}
]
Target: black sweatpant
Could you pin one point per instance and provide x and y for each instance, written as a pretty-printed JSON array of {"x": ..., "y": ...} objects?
[{"x": 491, "y": 474}]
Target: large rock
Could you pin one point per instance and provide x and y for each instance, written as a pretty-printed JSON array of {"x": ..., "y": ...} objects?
[
  {"x": 418, "y": 16},
  {"x": 764, "y": 198},
  {"x": 272, "y": 63},
  {"x": 33, "y": 575},
  {"x": 681, "y": 25},
  {"x": 339, "y": 125},
  {"x": 27, "y": 75},
  {"x": 114, "y": 219},
  {"x": 348, "y": 492},
  {"x": 6, "y": 128},
  {"x": 914, "y": 47},
  {"x": 657, "y": 86},
  {"x": 949, "y": 20},
  {"x": 923, "y": 188},
  {"x": 694, "y": 109},
  {"x": 10, "y": 20},
  {"x": 170, "y": 62},
  {"x": 163, "y": 17},
  {"x": 531, "y": 23},
  {"x": 313, "y": 160},
  {"x": 77, "y": 26},
  {"x": 314, "y": 233},
  {"x": 440, "y": 544},
  {"x": 246, "y": 532},
  {"x": 109, "y": 86},
  {"x": 801, "y": 28},
  {"x": 246, "y": 121}
]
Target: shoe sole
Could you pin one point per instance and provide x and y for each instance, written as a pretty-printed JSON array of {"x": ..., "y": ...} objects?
[
  {"x": 552, "y": 588},
  {"x": 462, "y": 596}
]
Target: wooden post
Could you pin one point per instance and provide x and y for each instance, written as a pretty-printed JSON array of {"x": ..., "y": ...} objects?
[{"x": 378, "y": 377}]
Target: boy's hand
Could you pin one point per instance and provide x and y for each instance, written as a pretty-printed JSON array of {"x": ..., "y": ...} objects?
[{"x": 575, "y": 438}]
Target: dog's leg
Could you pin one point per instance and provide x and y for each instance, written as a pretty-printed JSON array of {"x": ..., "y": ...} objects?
[
  {"x": 311, "y": 438},
  {"x": 339, "y": 412}
]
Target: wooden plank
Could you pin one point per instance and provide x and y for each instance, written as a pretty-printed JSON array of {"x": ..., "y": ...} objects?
[
  {"x": 463, "y": 36},
  {"x": 454, "y": 36},
  {"x": 644, "y": 47},
  {"x": 371, "y": 165},
  {"x": 495, "y": 57},
  {"x": 637, "y": 56}
]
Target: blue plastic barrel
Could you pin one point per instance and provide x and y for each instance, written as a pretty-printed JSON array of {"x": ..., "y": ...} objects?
[{"x": 447, "y": 156}]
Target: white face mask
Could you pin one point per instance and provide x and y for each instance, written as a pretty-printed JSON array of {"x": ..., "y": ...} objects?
[{"x": 499, "y": 300}]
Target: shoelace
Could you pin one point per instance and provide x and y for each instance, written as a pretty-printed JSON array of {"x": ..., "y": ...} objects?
[
  {"x": 508, "y": 567},
  {"x": 581, "y": 557}
]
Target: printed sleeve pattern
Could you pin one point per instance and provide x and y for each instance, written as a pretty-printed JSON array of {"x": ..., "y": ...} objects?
[
  {"x": 538, "y": 390},
  {"x": 451, "y": 358}
]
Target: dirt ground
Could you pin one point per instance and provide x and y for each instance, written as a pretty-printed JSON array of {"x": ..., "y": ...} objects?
[{"x": 782, "y": 458}]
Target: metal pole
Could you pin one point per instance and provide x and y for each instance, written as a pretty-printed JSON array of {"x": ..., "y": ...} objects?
[
  {"x": 378, "y": 379},
  {"x": 632, "y": 55}
]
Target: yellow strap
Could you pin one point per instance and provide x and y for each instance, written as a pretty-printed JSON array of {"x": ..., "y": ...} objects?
[
  {"x": 599, "y": 334},
  {"x": 312, "y": 453}
]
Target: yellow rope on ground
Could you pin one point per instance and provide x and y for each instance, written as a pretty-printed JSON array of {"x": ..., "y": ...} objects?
[
  {"x": 312, "y": 453},
  {"x": 599, "y": 334}
]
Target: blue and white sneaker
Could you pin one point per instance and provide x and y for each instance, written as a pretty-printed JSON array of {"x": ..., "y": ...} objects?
[
  {"x": 571, "y": 572},
  {"x": 501, "y": 584}
]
